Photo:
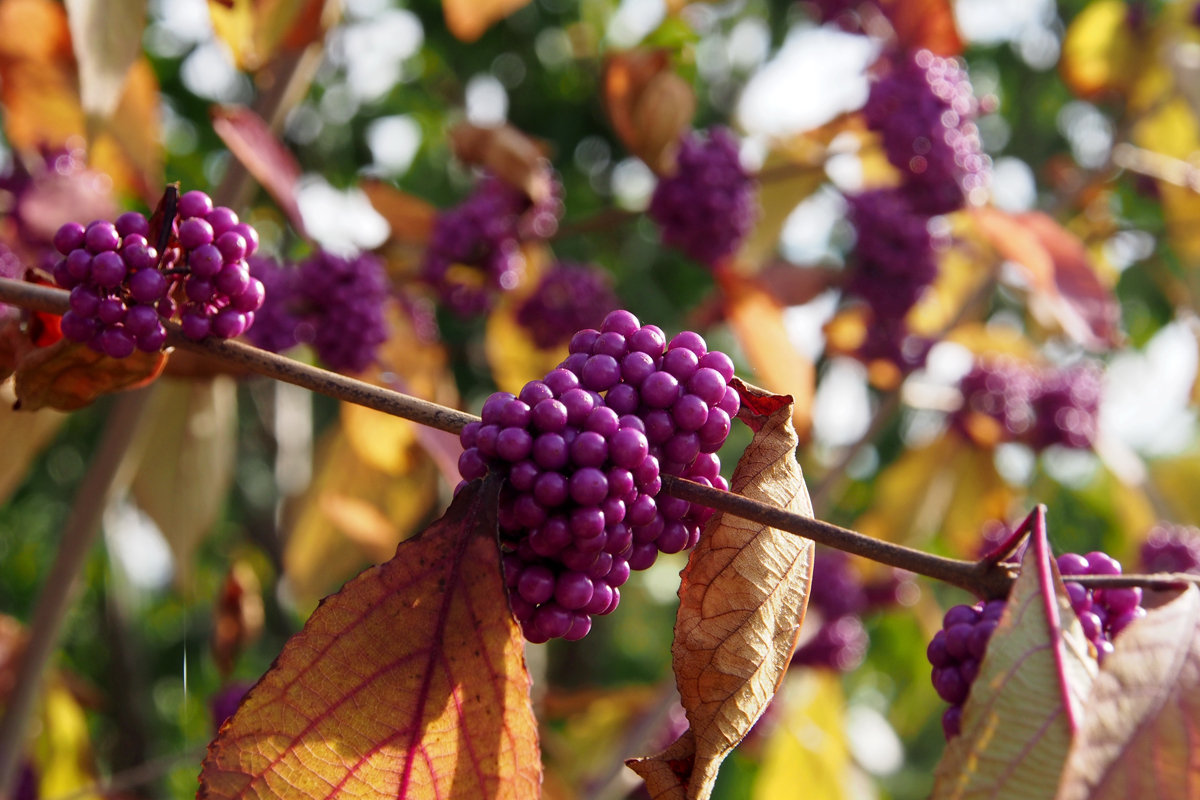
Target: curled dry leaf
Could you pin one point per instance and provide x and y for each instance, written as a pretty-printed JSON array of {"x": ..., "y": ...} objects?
[
  {"x": 68, "y": 376},
  {"x": 1138, "y": 737},
  {"x": 189, "y": 444},
  {"x": 238, "y": 616},
  {"x": 1025, "y": 705},
  {"x": 741, "y": 602},
  {"x": 468, "y": 19},
  {"x": 263, "y": 155},
  {"x": 410, "y": 682},
  {"x": 757, "y": 321},
  {"x": 508, "y": 153},
  {"x": 649, "y": 106}
]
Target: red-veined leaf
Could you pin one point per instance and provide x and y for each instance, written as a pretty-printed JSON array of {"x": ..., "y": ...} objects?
[
  {"x": 410, "y": 682},
  {"x": 1138, "y": 737},
  {"x": 1027, "y": 701},
  {"x": 741, "y": 602}
]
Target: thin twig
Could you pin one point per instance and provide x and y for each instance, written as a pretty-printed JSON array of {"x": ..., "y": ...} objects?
[
  {"x": 980, "y": 578},
  {"x": 62, "y": 584}
]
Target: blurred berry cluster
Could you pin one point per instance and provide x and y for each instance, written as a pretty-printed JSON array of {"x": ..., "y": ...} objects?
[
  {"x": 475, "y": 250},
  {"x": 583, "y": 451},
  {"x": 1008, "y": 400},
  {"x": 837, "y": 600},
  {"x": 924, "y": 111},
  {"x": 335, "y": 304},
  {"x": 568, "y": 298},
  {"x": 707, "y": 206},
  {"x": 1171, "y": 548},
  {"x": 122, "y": 287},
  {"x": 957, "y": 650}
]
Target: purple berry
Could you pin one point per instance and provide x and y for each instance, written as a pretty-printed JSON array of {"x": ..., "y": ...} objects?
[
  {"x": 229, "y": 323},
  {"x": 132, "y": 223},
  {"x": 205, "y": 261},
  {"x": 194, "y": 204},
  {"x": 195, "y": 325},
  {"x": 194, "y": 233},
  {"x": 110, "y": 311},
  {"x": 69, "y": 237},
  {"x": 148, "y": 286},
  {"x": 536, "y": 584},
  {"x": 108, "y": 269},
  {"x": 101, "y": 237},
  {"x": 116, "y": 342}
]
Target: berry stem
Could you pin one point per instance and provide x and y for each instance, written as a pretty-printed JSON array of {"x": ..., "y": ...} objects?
[
  {"x": 980, "y": 578},
  {"x": 61, "y": 585}
]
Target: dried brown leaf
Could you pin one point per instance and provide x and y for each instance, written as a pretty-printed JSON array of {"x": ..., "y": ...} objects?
[
  {"x": 68, "y": 376},
  {"x": 741, "y": 603},
  {"x": 508, "y": 153},
  {"x": 649, "y": 106},
  {"x": 1138, "y": 737}
]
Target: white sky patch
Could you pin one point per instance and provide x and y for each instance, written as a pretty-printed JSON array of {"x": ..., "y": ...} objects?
[
  {"x": 872, "y": 740},
  {"x": 817, "y": 74},
  {"x": 373, "y": 51},
  {"x": 394, "y": 142},
  {"x": 633, "y": 183},
  {"x": 634, "y": 21},
  {"x": 209, "y": 72},
  {"x": 138, "y": 547},
  {"x": 1146, "y": 394},
  {"x": 808, "y": 231},
  {"x": 805, "y": 324},
  {"x": 487, "y": 101},
  {"x": 343, "y": 222},
  {"x": 987, "y": 22},
  {"x": 842, "y": 407},
  {"x": 1014, "y": 187}
]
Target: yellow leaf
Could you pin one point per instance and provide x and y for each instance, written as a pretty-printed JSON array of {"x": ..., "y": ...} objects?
[
  {"x": 983, "y": 340},
  {"x": 1023, "y": 708},
  {"x": 380, "y": 440},
  {"x": 256, "y": 29},
  {"x": 24, "y": 435},
  {"x": 1176, "y": 479},
  {"x": 777, "y": 198},
  {"x": 757, "y": 321},
  {"x": 912, "y": 494},
  {"x": 63, "y": 749},
  {"x": 1100, "y": 51},
  {"x": 808, "y": 746},
  {"x": 511, "y": 352},
  {"x": 337, "y": 522},
  {"x": 189, "y": 445},
  {"x": 961, "y": 275},
  {"x": 742, "y": 600}
]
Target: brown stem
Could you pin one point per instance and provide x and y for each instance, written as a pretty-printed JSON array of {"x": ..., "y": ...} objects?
[
  {"x": 62, "y": 584},
  {"x": 980, "y": 578}
]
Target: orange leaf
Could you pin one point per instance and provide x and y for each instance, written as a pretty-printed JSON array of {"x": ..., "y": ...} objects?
[
  {"x": 255, "y": 30},
  {"x": 68, "y": 376},
  {"x": 37, "y": 75},
  {"x": 741, "y": 603},
  {"x": 410, "y": 682},
  {"x": 252, "y": 143},
  {"x": 238, "y": 616},
  {"x": 649, "y": 106},
  {"x": 411, "y": 218},
  {"x": 757, "y": 322},
  {"x": 508, "y": 153},
  {"x": 1138, "y": 737},
  {"x": 925, "y": 24},
  {"x": 1066, "y": 288},
  {"x": 1025, "y": 705},
  {"x": 468, "y": 19}
]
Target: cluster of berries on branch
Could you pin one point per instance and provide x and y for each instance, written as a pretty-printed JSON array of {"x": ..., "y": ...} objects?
[
  {"x": 475, "y": 250},
  {"x": 837, "y": 600},
  {"x": 1008, "y": 400},
  {"x": 583, "y": 452},
  {"x": 333, "y": 303},
  {"x": 122, "y": 288},
  {"x": 957, "y": 650},
  {"x": 707, "y": 207},
  {"x": 924, "y": 111},
  {"x": 568, "y": 298}
]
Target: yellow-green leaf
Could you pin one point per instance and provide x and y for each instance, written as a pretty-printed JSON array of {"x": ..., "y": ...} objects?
[{"x": 808, "y": 746}]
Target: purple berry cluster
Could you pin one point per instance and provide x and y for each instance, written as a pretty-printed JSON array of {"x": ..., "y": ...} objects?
[
  {"x": 1041, "y": 407},
  {"x": 924, "y": 109},
  {"x": 475, "y": 250},
  {"x": 957, "y": 650},
  {"x": 569, "y": 298},
  {"x": 707, "y": 207},
  {"x": 837, "y": 599},
  {"x": 121, "y": 287},
  {"x": 893, "y": 263},
  {"x": 1171, "y": 548},
  {"x": 335, "y": 304},
  {"x": 583, "y": 451}
]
